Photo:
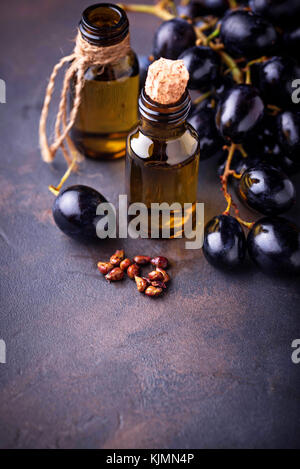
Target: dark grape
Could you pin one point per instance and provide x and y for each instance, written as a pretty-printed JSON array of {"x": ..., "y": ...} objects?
[
  {"x": 245, "y": 34},
  {"x": 291, "y": 40},
  {"x": 266, "y": 138},
  {"x": 276, "y": 76},
  {"x": 287, "y": 165},
  {"x": 267, "y": 190},
  {"x": 172, "y": 38},
  {"x": 239, "y": 113},
  {"x": 191, "y": 10},
  {"x": 289, "y": 133},
  {"x": 277, "y": 11},
  {"x": 274, "y": 245},
  {"x": 203, "y": 65},
  {"x": 196, "y": 8},
  {"x": 224, "y": 242},
  {"x": 74, "y": 211},
  {"x": 212, "y": 7},
  {"x": 203, "y": 121}
]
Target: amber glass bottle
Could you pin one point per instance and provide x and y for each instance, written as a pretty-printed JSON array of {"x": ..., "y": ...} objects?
[
  {"x": 162, "y": 158},
  {"x": 108, "y": 109}
]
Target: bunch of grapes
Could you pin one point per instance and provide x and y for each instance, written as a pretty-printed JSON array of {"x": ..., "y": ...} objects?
[{"x": 243, "y": 58}]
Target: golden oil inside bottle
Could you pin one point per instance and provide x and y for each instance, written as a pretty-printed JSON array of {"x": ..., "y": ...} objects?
[
  {"x": 107, "y": 113},
  {"x": 108, "y": 108},
  {"x": 162, "y": 170}
]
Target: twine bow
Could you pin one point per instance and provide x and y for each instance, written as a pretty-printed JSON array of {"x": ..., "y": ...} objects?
[{"x": 83, "y": 56}]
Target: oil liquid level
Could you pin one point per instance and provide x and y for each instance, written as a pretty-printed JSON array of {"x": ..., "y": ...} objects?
[
  {"x": 107, "y": 113},
  {"x": 156, "y": 182}
]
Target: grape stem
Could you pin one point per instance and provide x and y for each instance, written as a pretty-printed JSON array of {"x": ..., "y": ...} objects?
[
  {"x": 237, "y": 74},
  {"x": 55, "y": 189},
  {"x": 224, "y": 180},
  {"x": 158, "y": 10},
  {"x": 202, "y": 97},
  {"x": 274, "y": 109},
  {"x": 225, "y": 176},
  {"x": 214, "y": 34}
]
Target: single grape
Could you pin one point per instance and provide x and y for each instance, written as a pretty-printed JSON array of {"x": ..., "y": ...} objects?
[
  {"x": 172, "y": 38},
  {"x": 289, "y": 133},
  {"x": 224, "y": 242},
  {"x": 274, "y": 245},
  {"x": 278, "y": 11},
  {"x": 275, "y": 79},
  {"x": 267, "y": 190},
  {"x": 239, "y": 113},
  {"x": 203, "y": 121},
  {"x": 74, "y": 211},
  {"x": 203, "y": 65},
  {"x": 245, "y": 34}
]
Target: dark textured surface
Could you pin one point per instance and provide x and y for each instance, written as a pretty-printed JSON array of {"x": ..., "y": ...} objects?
[{"x": 97, "y": 365}]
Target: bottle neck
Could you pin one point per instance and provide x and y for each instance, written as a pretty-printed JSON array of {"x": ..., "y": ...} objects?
[
  {"x": 163, "y": 120},
  {"x": 104, "y": 24}
]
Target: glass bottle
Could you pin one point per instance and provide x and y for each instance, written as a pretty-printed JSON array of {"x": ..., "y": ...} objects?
[
  {"x": 108, "y": 109},
  {"x": 162, "y": 160}
]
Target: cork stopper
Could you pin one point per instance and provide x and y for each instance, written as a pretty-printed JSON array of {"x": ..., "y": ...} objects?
[{"x": 166, "y": 81}]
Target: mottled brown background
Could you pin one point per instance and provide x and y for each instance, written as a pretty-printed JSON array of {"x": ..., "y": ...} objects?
[{"x": 92, "y": 365}]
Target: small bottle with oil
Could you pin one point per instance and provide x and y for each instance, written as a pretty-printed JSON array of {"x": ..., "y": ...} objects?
[
  {"x": 108, "y": 108},
  {"x": 162, "y": 159}
]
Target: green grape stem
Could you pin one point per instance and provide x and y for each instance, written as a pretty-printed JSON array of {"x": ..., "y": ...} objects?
[
  {"x": 237, "y": 74},
  {"x": 156, "y": 10},
  {"x": 202, "y": 97},
  {"x": 214, "y": 34}
]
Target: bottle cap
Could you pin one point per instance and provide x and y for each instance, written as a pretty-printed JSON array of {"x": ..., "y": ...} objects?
[{"x": 166, "y": 81}]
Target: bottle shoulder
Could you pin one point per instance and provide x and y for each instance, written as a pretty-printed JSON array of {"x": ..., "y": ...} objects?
[{"x": 170, "y": 151}]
